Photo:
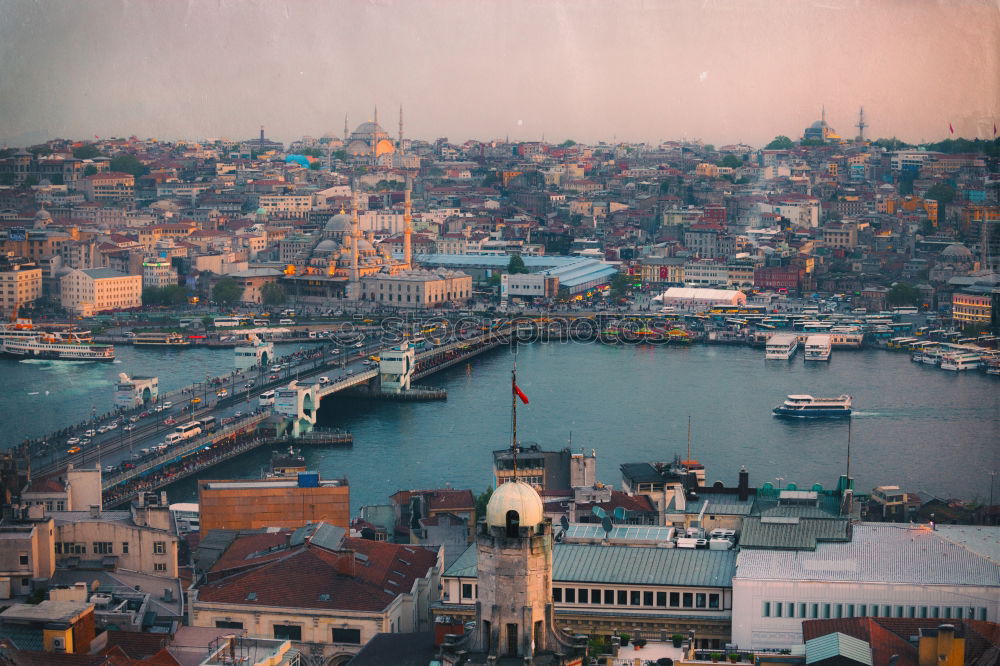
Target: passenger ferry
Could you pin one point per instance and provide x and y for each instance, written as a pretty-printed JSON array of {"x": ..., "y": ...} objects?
[
  {"x": 21, "y": 340},
  {"x": 959, "y": 361},
  {"x": 817, "y": 348},
  {"x": 781, "y": 346},
  {"x": 808, "y": 407},
  {"x": 160, "y": 340}
]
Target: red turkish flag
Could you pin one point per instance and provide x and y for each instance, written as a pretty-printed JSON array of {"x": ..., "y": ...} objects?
[{"x": 520, "y": 394}]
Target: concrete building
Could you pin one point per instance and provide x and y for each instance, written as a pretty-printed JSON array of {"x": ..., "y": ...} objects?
[
  {"x": 327, "y": 593},
  {"x": 545, "y": 470},
  {"x": 110, "y": 186},
  {"x": 20, "y": 284},
  {"x": 158, "y": 273},
  {"x": 530, "y": 285},
  {"x": 255, "y": 503},
  {"x": 417, "y": 288},
  {"x": 65, "y": 627},
  {"x": 286, "y": 205},
  {"x": 881, "y": 570},
  {"x": 692, "y": 297},
  {"x": 25, "y": 555},
  {"x": 92, "y": 290}
]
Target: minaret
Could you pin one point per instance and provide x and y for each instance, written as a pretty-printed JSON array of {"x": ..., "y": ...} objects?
[
  {"x": 375, "y": 136},
  {"x": 355, "y": 237},
  {"x": 861, "y": 125},
  {"x": 399, "y": 148},
  {"x": 408, "y": 228},
  {"x": 345, "y": 130}
]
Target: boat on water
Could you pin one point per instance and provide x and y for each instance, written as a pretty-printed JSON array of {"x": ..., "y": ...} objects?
[
  {"x": 817, "y": 348},
  {"x": 160, "y": 340},
  {"x": 808, "y": 407},
  {"x": 960, "y": 361},
  {"x": 20, "y": 339},
  {"x": 781, "y": 346},
  {"x": 287, "y": 463}
]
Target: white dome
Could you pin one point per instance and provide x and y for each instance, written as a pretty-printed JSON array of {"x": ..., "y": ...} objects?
[{"x": 515, "y": 496}]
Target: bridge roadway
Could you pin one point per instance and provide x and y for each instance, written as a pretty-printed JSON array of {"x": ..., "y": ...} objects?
[{"x": 347, "y": 369}]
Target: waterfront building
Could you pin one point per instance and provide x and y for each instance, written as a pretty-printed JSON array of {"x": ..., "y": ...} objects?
[
  {"x": 418, "y": 288},
  {"x": 545, "y": 470},
  {"x": 870, "y": 569},
  {"x": 972, "y": 307},
  {"x": 255, "y": 503},
  {"x": 92, "y": 290},
  {"x": 158, "y": 273},
  {"x": 326, "y": 592},
  {"x": 693, "y": 297},
  {"x": 20, "y": 284}
]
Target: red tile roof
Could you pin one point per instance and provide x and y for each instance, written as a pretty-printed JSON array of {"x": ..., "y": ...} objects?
[{"x": 46, "y": 485}]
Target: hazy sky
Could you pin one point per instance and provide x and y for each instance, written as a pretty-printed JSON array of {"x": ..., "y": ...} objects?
[{"x": 722, "y": 71}]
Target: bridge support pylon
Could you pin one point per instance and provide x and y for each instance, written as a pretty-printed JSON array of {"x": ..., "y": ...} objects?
[
  {"x": 395, "y": 368},
  {"x": 298, "y": 405}
]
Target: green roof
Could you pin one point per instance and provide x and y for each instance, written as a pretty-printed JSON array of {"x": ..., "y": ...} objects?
[
  {"x": 791, "y": 532},
  {"x": 626, "y": 565},
  {"x": 838, "y": 645}
]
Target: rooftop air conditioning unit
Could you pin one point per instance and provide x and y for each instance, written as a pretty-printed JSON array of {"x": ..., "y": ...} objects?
[{"x": 59, "y": 644}]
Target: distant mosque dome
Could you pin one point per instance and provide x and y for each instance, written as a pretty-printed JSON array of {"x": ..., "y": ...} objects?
[
  {"x": 364, "y": 245},
  {"x": 515, "y": 496},
  {"x": 367, "y": 135},
  {"x": 340, "y": 222},
  {"x": 956, "y": 252}
]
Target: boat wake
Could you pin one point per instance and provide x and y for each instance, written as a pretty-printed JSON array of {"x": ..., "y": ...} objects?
[
  {"x": 857, "y": 413},
  {"x": 50, "y": 363}
]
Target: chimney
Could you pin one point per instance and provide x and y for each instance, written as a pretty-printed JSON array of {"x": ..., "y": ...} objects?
[
  {"x": 744, "y": 485},
  {"x": 345, "y": 563},
  {"x": 95, "y": 510},
  {"x": 945, "y": 641}
]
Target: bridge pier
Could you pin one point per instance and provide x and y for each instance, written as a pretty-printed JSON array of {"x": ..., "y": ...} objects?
[
  {"x": 298, "y": 405},
  {"x": 395, "y": 369}
]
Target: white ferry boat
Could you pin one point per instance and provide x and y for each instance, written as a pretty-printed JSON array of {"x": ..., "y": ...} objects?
[
  {"x": 781, "y": 346},
  {"x": 817, "y": 348},
  {"x": 808, "y": 407},
  {"x": 960, "y": 361},
  {"x": 160, "y": 340},
  {"x": 21, "y": 340}
]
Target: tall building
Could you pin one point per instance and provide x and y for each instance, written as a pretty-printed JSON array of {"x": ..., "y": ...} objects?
[
  {"x": 93, "y": 290},
  {"x": 20, "y": 284}
]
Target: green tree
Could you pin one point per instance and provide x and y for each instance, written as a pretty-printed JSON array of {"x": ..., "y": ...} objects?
[
  {"x": 30, "y": 181},
  {"x": 619, "y": 285},
  {"x": 891, "y": 144},
  {"x": 731, "y": 161},
  {"x": 206, "y": 322},
  {"x": 272, "y": 293},
  {"x": 89, "y": 170},
  {"x": 152, "y": 296},
  {"x": 812, "y": 143},
  {"x": 315, "y": 165},
  {"x": 339, "y": 155},
  {"x": 87, "y": 151},
  {"x": 174, "y": 294},
  {"x": 905, "y": 183},
  {"x": 226, "y": 292},
  {"x": 780, "y": 142},
  {"x": 568, "y": 143},
  {"x": 516, "y": 265},
  {"x": 942, "y": 193},
  {"x": 126, "y": 163},
  {"x": 902, "y": 293},
  {"x": 709, "y": 148},
  {"x": 311, "y": 152},
  {"x": 481, "y": 501},
  {"x": 6, "y": 152}
]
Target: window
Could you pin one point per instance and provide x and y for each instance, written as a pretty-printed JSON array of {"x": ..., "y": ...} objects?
[
  {"x": 124, "y": 547},
  {"x": 647, "y": 598},
  {"x": 570, "y": 595},
  {"x": 103, "y": 548},
  {"x": 159, "y": 566},
  {"x": 802, "y": 610},
  {"x": 661, "y": 599},
  {"x": 838, "y": 610},
  {"x": 826, "y": 611},
  {"x": 287, "y": 632},
  {"x": 766, "y": 610},
  {"x": 899, "y": 611},
  {"x": 777, "y": 609},
  {"x": 352, "y": 636},
  {"x": 699, "y": 600},
  {"x": 675, "y": 599},
  {"x": 466, "y": 590},
  {"x": 556, "y": 594},
  {"x": 862, "y": 610},
  {"x": 850, "y": 610},
  {"x": 635, "y": 598},
  {"x": 609, "y": 597},
  {"x": 228, "y": 624},
  {"x": 688, "y": 600},
  {"x": 159, "y": 548},
  {"x": 23, "y": 559},
  {"x": 622, "y": 598},
  {"x": 582, "y": 596}
]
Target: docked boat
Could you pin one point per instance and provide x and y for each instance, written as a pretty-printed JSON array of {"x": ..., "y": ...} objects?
[
  {"x": 781, "y": 346},
  {"x": 20, "y": 339},
  {"x": 808, "y": 407},
  {"x": 817, "y": 348},
  {"x": 160, "y": 340},
  {"x": 960, "y": 361}
]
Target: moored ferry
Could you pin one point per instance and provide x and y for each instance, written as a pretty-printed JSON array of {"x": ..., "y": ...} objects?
[
  {"x": 781, "y": 346},
  {"x": 21, "y": 340},
  {"x": 160, "y": 340},
  {"x": 817, "y": 348},
  {"x": 959, "y": 361},
  {"x": 808, "y": 407}
]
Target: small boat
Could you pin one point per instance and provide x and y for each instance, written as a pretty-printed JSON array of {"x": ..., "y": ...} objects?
[
  {"x": 808, "y": 407},
  {"x": 160, "y": 340}
]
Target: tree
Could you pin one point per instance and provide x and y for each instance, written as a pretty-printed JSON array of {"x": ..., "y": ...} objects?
[
  {"x": 481, "y": 501},
  {"x": 780, "y": 142},
  {"x": 226, "y": 292},
  {"x": 619, "y": 285},
  {"x": 174, "y": 294},
  {"x": 731, "y": 161},
  {"x": 89, "y": 170},
  {"x": 902, "y": 293},
  {"x": 315, "y": 165},
  {"x": 568, "y": 143},
  {"x": 941, "y": 192},
  {"x": 126, "y": 163},
  {"x": 339, "y": 155},
  {"x": 516, "y": 265},
  {"x": 152, "y": 296},
  {"x": 87, "y": 151},
  {"x": 905, "y": 183},
  {"x": 812, "y": 143},
  {"x": 272, "y": 293}
]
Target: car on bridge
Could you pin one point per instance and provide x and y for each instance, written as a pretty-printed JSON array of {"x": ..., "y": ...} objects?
[
  {"x": 90, "y": 433},
  {"x": 323, "y": 381},
  {"x": 222, "y": 393},
  {"x": 73, "y": 449}
]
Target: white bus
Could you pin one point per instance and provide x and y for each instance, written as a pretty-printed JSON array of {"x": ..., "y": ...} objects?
[
  {"x": 226, "y": 322},
  {"x": 207, "y": 424},
  {"x": 904, "y": 311},
  {"x": 266, "y": 399},
  {"x": 188, "y": 430}
]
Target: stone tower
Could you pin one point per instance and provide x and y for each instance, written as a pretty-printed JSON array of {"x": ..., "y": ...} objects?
[{"x": 514, "y": 563}]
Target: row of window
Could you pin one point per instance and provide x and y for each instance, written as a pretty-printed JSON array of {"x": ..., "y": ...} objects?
[
  {"x": 616, "y": 597},
  {"x": 827, "y": 611},
  {"x": 102, "y": 548},
  {"x": 292, "y": 632}
]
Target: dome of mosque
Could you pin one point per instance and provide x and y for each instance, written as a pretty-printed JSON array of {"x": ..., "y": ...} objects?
[
  {"x": 819, "y": 124},
  {"x": 327, "y": 246},
  {"x": 364, "y": 245},
  {"x": 43, "y": 215},
  {"x": 339, "y": 222},
  {"x": 956, "y": 251},
  {"x": 515, "y": 496},
  {"x": 369, "y": 130}
]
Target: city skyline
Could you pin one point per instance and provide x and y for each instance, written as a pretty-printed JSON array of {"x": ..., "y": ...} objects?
[{"x": 585, "y": 72}]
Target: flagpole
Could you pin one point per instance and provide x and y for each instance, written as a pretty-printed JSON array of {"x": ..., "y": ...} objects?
[{"x": 513, "y": 413}]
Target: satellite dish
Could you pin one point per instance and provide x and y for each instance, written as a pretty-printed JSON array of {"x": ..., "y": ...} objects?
[
  {"x": 619, "y": 513},
  {"x": 599, "y": 512},
  {"x": 607, "y": 525},
  {"x": 564, "y": 521}
]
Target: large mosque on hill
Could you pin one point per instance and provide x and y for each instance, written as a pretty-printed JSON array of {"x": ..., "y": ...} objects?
[{"x": 370, "y": 140}]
